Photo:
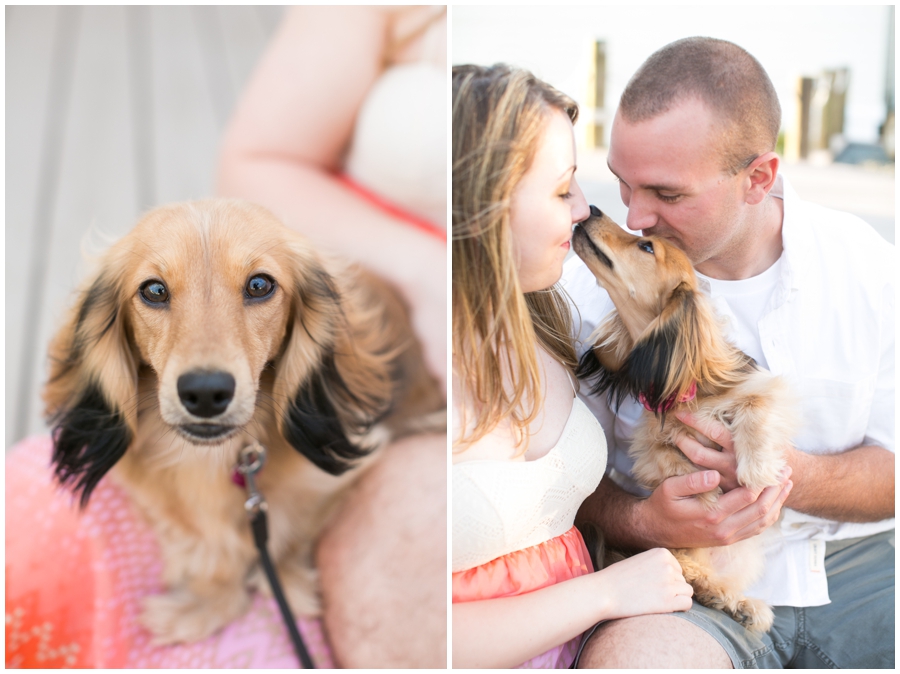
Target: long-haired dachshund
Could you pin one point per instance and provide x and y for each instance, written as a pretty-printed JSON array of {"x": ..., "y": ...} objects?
[
  {"x": 208, "y": 327},
  {"x": 664, "y": 346}
]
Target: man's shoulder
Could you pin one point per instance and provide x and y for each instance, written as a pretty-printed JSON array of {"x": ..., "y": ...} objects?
[
  {"x": 836, "y": 228},
  {"x": 843, "y": 243}
]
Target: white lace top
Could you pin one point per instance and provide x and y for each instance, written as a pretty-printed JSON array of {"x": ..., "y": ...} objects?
[
  {"x": 503, "y": 506},
  {"x": 399, "y": 147}
]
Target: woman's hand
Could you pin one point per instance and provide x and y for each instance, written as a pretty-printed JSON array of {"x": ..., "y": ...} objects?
[
  {"x": 507, "y": 631},
  {"x": 650, "y": 582}
]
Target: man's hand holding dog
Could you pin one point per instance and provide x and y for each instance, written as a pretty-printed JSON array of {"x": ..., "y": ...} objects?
[
  {"x": 722, "y": 461},
  {"x": 740, "y": 513},
  {"x": 672, "y": 518},
  {"x": 684, "y": 522},
  {"x": 852, "y": 486}
]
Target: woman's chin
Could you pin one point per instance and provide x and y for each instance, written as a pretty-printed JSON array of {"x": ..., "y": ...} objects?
[{"x": 543, "y": 281}]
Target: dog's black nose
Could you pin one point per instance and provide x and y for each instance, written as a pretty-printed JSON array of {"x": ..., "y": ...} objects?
[
  {"x": 205, "y": 394},
  {"x": 596, "y": 212}
]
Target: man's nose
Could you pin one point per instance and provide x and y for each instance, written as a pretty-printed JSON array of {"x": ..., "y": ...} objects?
[{"x": 641, "y": 215}]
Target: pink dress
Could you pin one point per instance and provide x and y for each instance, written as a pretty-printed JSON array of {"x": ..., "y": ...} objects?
[
  {"x": 75, "y": 582},
  {"x": 513, "y": 522}
]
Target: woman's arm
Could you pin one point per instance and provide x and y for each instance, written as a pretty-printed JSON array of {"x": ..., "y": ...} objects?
[
  {"x": 509, "y": 631},
  {"x": 288, "y": 136}
]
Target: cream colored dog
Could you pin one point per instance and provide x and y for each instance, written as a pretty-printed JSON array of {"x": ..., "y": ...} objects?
[
  {"x": 207, "y": 328},
  {"x": 664, "y": 346}
]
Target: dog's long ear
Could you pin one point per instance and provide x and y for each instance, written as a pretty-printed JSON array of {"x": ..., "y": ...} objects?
[
  {"x": 683, "y": 347},
  {"x": 599, "y": 364},
  {"x": 91, "y": 393},
  {"x": 667, "y": 357},
  {"x": 334, "y": 369}
]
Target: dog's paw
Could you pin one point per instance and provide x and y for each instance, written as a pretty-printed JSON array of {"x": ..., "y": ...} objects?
[
  {"x": 760, "y": 470},
  {"x": 709, "y": 499},
  {"x": 301, "y": 587},
  {"x": 180, "y": 616},
  {"x": 755, "y": 615},
  {"x": 761, "y": 478}
]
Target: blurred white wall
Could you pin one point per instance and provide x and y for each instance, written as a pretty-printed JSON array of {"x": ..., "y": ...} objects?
[{"x": 790, "y": 42}]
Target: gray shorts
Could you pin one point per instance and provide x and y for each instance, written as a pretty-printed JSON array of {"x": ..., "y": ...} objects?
[{"x": 856, "y": 630}]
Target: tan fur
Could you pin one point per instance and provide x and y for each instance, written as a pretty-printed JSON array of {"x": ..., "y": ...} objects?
[
  {"x": 205, "y": 252},
  {"x": 658, "y": 291}
]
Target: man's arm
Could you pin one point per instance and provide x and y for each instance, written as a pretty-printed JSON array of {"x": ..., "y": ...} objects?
[
  {"x": 852, "y": 486},
  {"x": 670, "y": 517}
]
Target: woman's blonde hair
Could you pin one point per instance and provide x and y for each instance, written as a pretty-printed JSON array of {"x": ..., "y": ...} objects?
[{"x": 499, "y": 115}]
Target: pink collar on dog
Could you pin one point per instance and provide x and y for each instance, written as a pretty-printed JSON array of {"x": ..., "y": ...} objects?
[{"x": 669, "y": 402}]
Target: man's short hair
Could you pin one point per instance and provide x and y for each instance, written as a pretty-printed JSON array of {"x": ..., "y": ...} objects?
[{"x": 724, "y": 77}]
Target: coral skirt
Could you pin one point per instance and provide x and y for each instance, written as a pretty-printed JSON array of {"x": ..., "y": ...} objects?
[
  {"x": 75, "y": 582},
  {"x": 553, "y": 561}
]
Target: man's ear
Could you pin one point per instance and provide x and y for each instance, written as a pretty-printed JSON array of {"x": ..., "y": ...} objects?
[{"x": 761, "y": 174}]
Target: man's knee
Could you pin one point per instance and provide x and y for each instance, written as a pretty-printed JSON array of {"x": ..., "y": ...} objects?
[{"x": 652, "y": 641}]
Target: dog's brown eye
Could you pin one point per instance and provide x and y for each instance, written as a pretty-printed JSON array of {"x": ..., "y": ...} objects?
[
  {"x": 646, "y": 246},
  {"x": 260, "y": 286},
  {"x": 154, "y": 292}
]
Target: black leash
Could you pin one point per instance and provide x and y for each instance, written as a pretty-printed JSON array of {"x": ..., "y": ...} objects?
[{"x": 250, "y": 461}]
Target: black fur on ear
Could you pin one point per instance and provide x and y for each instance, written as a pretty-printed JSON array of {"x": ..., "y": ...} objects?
[
  {"x": 664, "y": 361},
  {"x": 333, "y": 369},
  {"x": 650, "y": 365},
  {"x": 602, "y": 379},
  {"x": 312, "y": 425},
  {"x": 91, "y": 388},
  {"x": 100, "y": 296},
  {"x": 89, "y": 438}
]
